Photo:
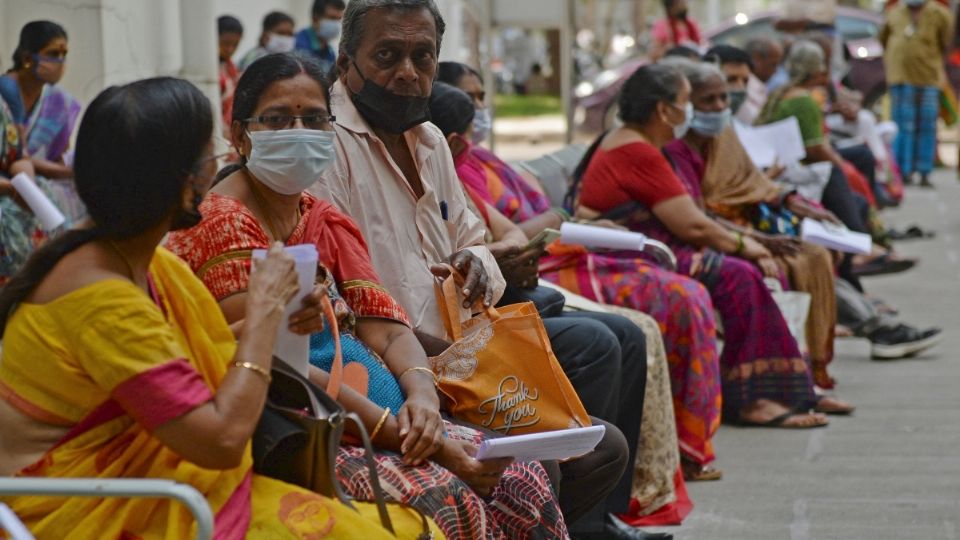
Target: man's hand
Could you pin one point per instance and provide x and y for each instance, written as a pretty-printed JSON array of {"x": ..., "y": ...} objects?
[{"x": 476, "y": 281}]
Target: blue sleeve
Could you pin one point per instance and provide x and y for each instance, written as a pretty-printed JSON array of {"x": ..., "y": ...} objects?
[
  {"x": 10, "y": 93},
  {"x": 303, "y": 40}
]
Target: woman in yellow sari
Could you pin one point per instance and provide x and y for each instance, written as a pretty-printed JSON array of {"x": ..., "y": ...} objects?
[{"x": 117, "y": 362}]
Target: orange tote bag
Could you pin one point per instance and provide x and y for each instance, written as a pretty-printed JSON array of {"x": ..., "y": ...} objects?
[{"x": 501, "y": 373}]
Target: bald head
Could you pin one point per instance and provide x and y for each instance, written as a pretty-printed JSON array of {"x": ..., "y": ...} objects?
[{"x": 766, "y": 53}]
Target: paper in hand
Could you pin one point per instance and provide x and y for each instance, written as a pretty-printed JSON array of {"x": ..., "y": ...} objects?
[
  {"x": 835, "y": 237},
  {"x": 548, "y": 445},
  {"x": 593, "y": 237},
  {"x": 779, "y": 143},
  {"x": 47, "y": 213},
  {"x": 293, "y": 348}
]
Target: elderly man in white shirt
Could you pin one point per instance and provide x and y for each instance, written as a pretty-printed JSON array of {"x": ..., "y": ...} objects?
[{"x": 396, "y": 178}]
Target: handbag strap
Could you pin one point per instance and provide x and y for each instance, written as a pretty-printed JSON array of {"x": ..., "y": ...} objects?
[
  {"x": 336, "y": 370},
  {"x": 378, "y": 495},
  {"x": 449, "y": 300}
]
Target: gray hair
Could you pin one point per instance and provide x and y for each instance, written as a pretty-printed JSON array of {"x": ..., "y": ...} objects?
[
  {"x": 805, "y": 60},
  {"x": 698, "y": 73},
  {"x": 357, "y": 10},
  {"x": 761, "y": 47}
]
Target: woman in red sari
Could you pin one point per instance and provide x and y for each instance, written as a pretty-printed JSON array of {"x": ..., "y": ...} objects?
[
  {"x": 421, "y": 460},
  {"x": 766, "y": 381}
]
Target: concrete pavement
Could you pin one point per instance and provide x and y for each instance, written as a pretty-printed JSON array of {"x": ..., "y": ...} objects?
[{"x": 892, "y": 471}]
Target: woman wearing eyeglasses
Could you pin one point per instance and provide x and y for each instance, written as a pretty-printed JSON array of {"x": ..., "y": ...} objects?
[{"x": 283, "y": 132}]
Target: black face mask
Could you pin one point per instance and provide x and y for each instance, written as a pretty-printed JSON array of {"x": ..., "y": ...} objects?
[
  {"x": 682, "y": 15},
  {"x": 187, "y": 219},
  {"x": 737, "y": 99},
  {"x": 383, "y": 109}
]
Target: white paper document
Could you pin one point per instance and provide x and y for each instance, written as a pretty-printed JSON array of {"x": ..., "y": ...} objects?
[
  {"x": 836, "y": 237},
  {"x": 779, "y": 143},
  {"x": 49, "y": 215},
  {"x": 292, "y": 348},
  {"x": 549, "y": 445},
  {"x": 594, "y": 237}
]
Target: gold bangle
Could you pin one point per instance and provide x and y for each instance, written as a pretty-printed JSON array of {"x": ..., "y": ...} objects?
[
  {"x": 383, "y": 420},
  {"x": 436, "y": 382},
  {"x": 259, "y": 370}
]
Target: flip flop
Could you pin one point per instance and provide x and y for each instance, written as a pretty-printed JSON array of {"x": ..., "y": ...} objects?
[
  {"x": 842, "y": 411},
  {"x": 780, "y": 422},
  {"x": 693, "y": 472}
]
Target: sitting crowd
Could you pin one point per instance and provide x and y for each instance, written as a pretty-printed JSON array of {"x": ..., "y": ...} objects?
[{"x": 155, "y": 327}]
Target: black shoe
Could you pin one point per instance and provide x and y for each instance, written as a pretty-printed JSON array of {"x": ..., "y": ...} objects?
[
  {"x": 925, "y": 181},
  {"x": 884, "y": 200},
  {"x": 901, "y": 341},
  {"x": 614, "y": 529}
]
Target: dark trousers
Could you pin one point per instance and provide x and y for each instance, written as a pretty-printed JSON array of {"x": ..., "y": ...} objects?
[
  {"x": 862, "y": 158},
  {"x": 604, "y": 356}
]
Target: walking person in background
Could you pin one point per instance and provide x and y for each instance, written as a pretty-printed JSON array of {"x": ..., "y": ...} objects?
[
  {"x": 916, "y": 35},
  {"x": 230, "y": 32},
  {"x": 318, "y": 38},
  {"x": 277, "y": 37},
  {"x": 676, "y": 29}
]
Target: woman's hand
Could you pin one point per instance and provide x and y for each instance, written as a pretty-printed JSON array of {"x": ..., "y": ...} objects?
[
  {"x": 803, "y": 209},
  {"x": 309, "y": 320},
  {"x": 421, "y": 426},
  {"x": 780, "y": 245},
  {"x": 481, "y": 476},
  {"x": 272, "y": 279},
  {"x": 774, "y": 172},
  {"x": 607, "y": 224},
  {"x": 769, "y": 267},
  {"x": 753, "y": 250}
]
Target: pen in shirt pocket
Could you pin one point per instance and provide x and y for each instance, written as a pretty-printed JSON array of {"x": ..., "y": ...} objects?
[{"x": 444, "y": 211}]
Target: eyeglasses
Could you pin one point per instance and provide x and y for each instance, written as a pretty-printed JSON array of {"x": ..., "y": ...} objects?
[{"x": 286, "y": 121}]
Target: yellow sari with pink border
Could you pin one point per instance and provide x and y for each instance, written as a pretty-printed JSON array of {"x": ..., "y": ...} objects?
[{"x": 112, "y": 364}]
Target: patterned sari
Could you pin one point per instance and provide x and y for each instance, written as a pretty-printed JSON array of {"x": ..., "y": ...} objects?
[
  {"x": 111, "y": 364},
  {"x": 47, "y": 130},
  {"x": 733, "y": 188},
  {"x": 679, "y": 306},
  {"x": 760, "y": 359},
  {"x": 522, "y": 506},
  {"x": 20, "y": 232}
]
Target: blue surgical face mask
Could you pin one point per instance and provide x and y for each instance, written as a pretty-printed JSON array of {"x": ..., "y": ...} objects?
[
  {"x": 328, "y": 30},
  {"x": 710, "y": 124},
  {"x": 288, "y": 161},
  {"x": 482, "y": 125},
  {"x": 681, "y": 129}
]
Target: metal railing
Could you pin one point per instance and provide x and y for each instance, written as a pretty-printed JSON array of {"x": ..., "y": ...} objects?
[{"x": 97, "y": 487}]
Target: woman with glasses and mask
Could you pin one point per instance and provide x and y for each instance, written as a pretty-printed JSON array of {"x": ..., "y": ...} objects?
[
  {"x": 116, "y": 361},
  {"x": 766, "y": 381},
  {"x": 284, "y": 134}
]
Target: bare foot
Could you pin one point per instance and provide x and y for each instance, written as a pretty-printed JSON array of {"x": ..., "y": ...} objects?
[
  {"x": 832, "y": 405},
  {"x": 765, "y": 411}
]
